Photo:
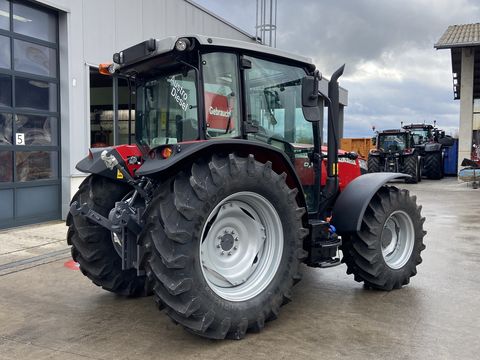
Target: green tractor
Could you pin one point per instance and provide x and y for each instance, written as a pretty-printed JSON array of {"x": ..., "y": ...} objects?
[{"x": 207, "y": 210}]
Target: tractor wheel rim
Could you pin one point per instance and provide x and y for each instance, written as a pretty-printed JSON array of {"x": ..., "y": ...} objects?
[
  {"x": 241, "y": 246},
  {"x": 398, "y": 238}
]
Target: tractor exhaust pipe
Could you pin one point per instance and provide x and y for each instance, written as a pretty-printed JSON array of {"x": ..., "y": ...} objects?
[
  {"x": 333, "y": 121},
  {"x": 331, "y": 186}
]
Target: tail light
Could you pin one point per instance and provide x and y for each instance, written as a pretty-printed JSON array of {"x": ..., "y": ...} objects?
[{"x": 166, "y": 152}]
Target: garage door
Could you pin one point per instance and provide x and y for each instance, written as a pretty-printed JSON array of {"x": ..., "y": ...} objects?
[{"x": 29, "y": 114}]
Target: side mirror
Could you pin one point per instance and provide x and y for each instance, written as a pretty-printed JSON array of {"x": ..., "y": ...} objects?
[
  {"x": 374, "y": 141},
  {"x": 310, "y": 108}
]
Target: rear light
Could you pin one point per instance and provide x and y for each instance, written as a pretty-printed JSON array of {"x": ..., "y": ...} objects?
[
  {"x": 166, "y": 152},
  {"x": 104, "y": 69},
  {"x": 107, "y": 69}
]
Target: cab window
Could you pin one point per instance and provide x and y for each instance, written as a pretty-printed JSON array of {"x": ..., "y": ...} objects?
[
  {"x": 273, "y": 95},
  {"x": 221, "y": 91}
]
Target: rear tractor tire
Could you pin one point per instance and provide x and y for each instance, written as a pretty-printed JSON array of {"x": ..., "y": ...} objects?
[
  {"x": 411, "y": 167},
  {"x": 225, "y": 242},
  {"x": 433, "y": 165},
  {"x": 93, "y": 246},
  {"x": 385, "y": 253},
  {"x": 373, "y": 164}
]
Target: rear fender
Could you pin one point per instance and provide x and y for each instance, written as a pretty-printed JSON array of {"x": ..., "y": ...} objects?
[
  {"x": 433, "y": 147},
  {"x": 184, "y": 154},
  {"x": 128, "y": 156},
  {"x": 351, "y": 204}
]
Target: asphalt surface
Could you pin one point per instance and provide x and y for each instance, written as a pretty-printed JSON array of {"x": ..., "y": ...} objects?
[{"x": 49, "y": 311}]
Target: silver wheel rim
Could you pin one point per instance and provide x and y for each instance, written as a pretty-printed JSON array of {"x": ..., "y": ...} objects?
[
  {"x": 398, "y": 238},
  {"x": 241, "y": 246}
]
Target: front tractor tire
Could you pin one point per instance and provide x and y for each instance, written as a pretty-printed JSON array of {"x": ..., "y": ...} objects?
[
  {"x": 225, "y": 242},
  {"x": 92, "y": 245},
  {"x": 385, "y": 253}
]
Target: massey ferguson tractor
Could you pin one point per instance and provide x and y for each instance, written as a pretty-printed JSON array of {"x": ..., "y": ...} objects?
[
  {"x": 395, "y": 151},
  {"x": 223, "y": 195},
  {"x": 430, "y": 143}
]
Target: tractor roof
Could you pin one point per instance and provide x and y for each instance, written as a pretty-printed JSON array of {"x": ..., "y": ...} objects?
[
  {"x": 392, "y": 131},
  {"x": 154, "y": 47},
  {"x": 418, "y": 126}
]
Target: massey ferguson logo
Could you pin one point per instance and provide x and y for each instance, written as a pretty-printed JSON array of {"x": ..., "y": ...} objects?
[{"x": 217, "y": 112}]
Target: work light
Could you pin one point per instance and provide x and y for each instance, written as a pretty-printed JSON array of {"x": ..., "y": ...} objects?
[{"x": 182, "y": 44}]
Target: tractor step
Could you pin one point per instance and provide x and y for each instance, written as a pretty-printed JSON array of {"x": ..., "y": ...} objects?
[{"x": 324, "y": 245}]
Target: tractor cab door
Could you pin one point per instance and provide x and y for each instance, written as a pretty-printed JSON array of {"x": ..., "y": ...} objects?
[{"x": 273, "y": 97}]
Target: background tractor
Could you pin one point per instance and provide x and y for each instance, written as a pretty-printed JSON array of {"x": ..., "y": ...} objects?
[
  {"x": 395, "y": 151},
  {"x": 224, "y": 195},
  {"x": 430, "y": 143}
]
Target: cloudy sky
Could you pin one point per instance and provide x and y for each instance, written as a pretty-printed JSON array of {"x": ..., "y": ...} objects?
[{"x": 392, "y": 72}]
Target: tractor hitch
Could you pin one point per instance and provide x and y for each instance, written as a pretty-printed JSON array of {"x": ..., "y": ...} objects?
[
  {"x": 324, "y": 245},
  {"x": 125, "y": 225}
]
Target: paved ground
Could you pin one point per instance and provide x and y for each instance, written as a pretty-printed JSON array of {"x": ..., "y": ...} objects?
[{"x": 48, "y": 311}]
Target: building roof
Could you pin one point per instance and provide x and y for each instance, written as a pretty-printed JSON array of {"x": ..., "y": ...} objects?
[
  {"x": 459, "y": 36},
  {"x": 456, "y": 38}
]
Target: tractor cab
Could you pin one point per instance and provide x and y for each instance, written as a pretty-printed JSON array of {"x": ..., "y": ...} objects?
[
  {"x": 197, "y": 88},
  {"x": 421, "y": 133},
  {"x": 428, "y": 134},
  {"x": 394, "y": 141}
]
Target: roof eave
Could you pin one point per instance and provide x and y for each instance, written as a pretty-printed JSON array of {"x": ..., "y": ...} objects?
[{"x": 451, "y": 46}]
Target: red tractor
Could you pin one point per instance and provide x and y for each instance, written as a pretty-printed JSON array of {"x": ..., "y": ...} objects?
[{"x": 224, "y": 195}]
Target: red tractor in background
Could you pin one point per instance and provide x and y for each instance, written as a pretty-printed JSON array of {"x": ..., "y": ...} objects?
[{"x": 228, "y": 190}]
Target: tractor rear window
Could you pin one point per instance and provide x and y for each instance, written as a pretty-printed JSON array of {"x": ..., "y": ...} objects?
[{"x": 167, "y": 109}]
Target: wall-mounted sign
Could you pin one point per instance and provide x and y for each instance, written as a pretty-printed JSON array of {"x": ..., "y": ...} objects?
[{"x": 20, "y": 139}]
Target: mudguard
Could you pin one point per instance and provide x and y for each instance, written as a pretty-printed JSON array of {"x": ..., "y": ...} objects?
[
  {"x": 433, "y": 147},
  {"x": 93, "y": 164},
  {"x": 352, "y": 202},
  {"x": 185, "y": 153}
]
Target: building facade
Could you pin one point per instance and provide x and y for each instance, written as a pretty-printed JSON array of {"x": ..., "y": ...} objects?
[
  {"x": 53, "y": 106},
  {"x": 464, "y": 44}
]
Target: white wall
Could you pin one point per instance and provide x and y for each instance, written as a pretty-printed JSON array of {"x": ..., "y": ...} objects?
[{"x": 90, "y": 32}]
